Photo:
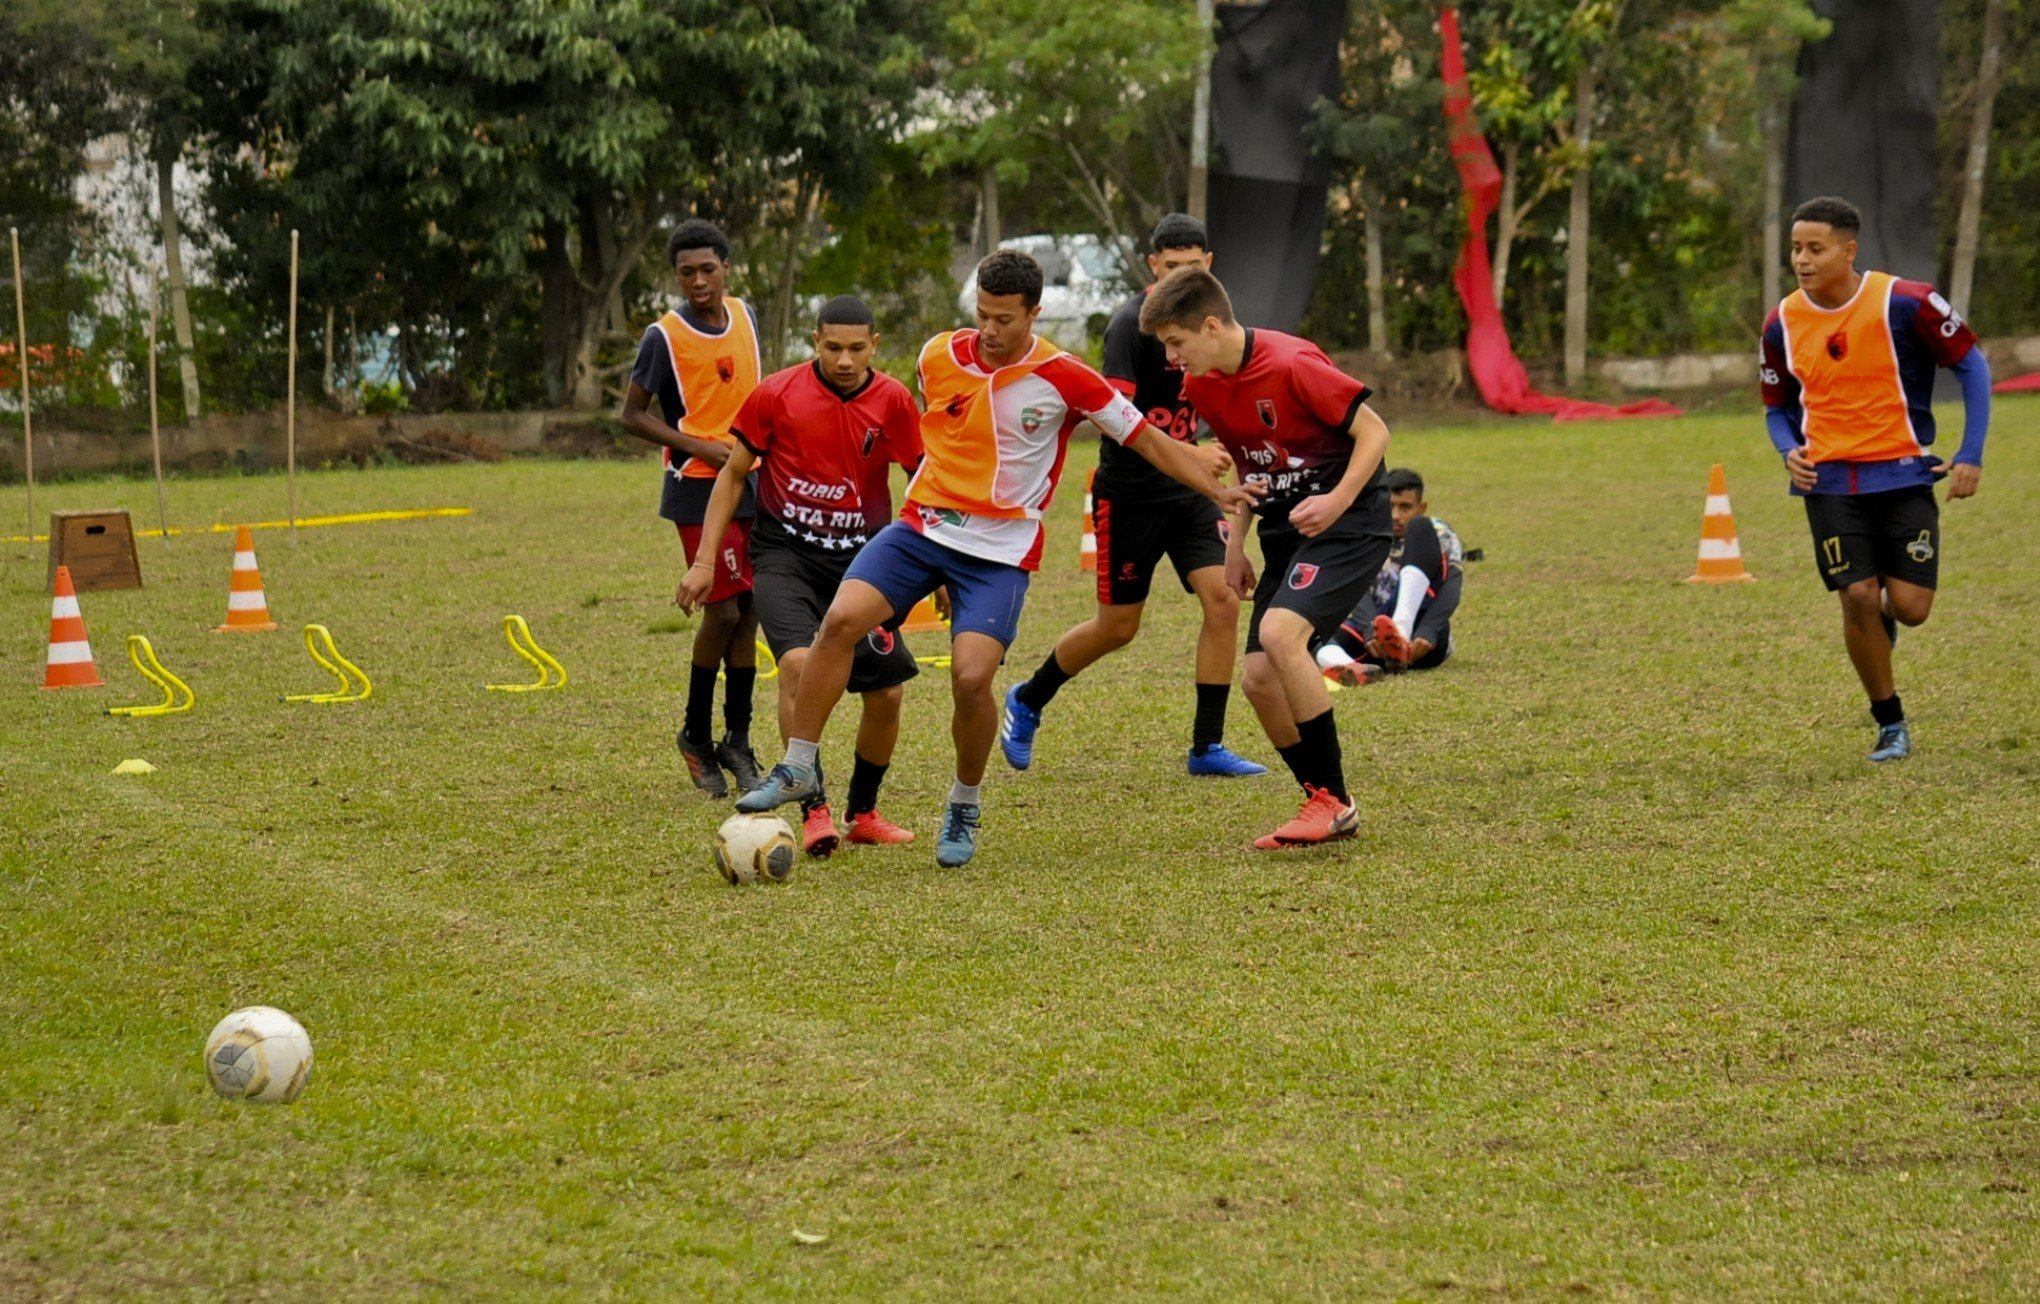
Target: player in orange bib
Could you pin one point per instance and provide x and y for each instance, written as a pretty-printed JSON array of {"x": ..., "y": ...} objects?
[
  {"x": 1848, "y": 368},
  {"x": 701, "y": 362}
]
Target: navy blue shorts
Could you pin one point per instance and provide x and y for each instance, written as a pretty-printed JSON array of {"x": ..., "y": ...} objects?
[{"x": 905, "y": 565}]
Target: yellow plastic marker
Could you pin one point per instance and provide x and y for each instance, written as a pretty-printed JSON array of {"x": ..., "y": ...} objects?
[
  {"x": 768, "y": 666},
  {"x": 135, "y": 765},
  {"x": 304, "y": 522},
  {"x": 939, "y": 662},
  {"x": 152, "y": 670},
  {"x": 551, "y": 674},
  {"x": 336, "y": 665}
]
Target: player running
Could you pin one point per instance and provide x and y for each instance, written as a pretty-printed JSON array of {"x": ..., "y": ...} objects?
[
  {"x": 702, "y": 363},
  {"x": 1141, "y": 516},
  {"x": 1848, "y": 380},
  {"x": 826, "y": 432},
  {"x": 1000, "y": 405},
  {"x": 1301, "y": 428}
]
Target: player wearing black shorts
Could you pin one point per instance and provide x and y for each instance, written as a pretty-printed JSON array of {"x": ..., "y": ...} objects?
[
  {"x": 826, "y": 434},
  {"x": 1847, "y": 367},
  {"x": 1143, "y": 516},
  {"x": 1300, "y": 431}
]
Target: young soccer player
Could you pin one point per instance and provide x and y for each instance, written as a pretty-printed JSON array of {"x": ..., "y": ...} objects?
[
  {"x": 701, "y": 363},
  {"x": 826, "y": 432},
  {"x": 1847, "y": 371},
  {"x": 1000, "y": 403},
  {"x": 1142, "y": 515},
  {"x": 1300, "y": 427},
  {"x": 1406, "y": 622}
]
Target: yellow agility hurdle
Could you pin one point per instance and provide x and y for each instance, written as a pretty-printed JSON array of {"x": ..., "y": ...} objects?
[
  {"x": 768, "y": 665},
  {"x": 338, "y": 666},
  {"x": 177, "y": 695},
  {"x": 551, "y": 674}
]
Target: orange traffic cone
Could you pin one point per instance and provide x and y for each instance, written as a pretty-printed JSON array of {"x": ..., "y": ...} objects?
[
  {"x": 247, "y": 608},
  {"x": 1087, "y": 558},
  {"x": 1720, "y": 552},
  {"x": 923, "y": 618},
  {"x": 70, "y": 664}
]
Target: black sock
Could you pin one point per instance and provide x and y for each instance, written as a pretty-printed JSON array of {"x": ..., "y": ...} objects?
[
  {"x": 700, "y": 705},
  {"x": 1039, "y": 691},
  {"x": 1293, "y": 757},
  {"x": 1890, "y": 711},
  {"x": 736, "y": 707},
  {"x": 864, "y": 780},
  {"x": 1320, "y": 738},
  {"x": 1208, "y": 729}
]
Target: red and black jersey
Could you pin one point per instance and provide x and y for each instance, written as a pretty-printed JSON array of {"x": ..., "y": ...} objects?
[
  {"x": 1284, "y": 416},
  {"x": 1138, "y": 367},
  {"x": 824, "y": 455}
]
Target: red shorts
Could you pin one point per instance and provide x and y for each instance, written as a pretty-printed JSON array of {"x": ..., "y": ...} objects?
[{"x": 733, "y": 567}]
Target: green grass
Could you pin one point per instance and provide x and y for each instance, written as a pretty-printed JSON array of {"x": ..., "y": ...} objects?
[{"x": 1641, "y": 982}]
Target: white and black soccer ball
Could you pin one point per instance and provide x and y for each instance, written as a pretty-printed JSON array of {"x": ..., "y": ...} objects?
[
  {"x": 755, "y": 849},
  {"x": 259, "y": 1053}
]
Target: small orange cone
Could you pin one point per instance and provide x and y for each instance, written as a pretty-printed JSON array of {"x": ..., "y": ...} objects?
[
  {"x": 1720, "y": 551},
  {"x": 1087, "y": 558},
  {"x": 923, "y": 618},
  {"x": 70, "y": 664},
  {"x": 247, "y": 608}
]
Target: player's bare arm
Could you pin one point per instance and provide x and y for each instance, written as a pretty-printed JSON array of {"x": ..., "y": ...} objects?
[
  {"x": 722, "y": 507},
  {"x": 638, "y": 420},
  {"x": 1239, "y": 568},
  {"x": 1181, "y": 462},
  {"x": 1315, "y": 514}
]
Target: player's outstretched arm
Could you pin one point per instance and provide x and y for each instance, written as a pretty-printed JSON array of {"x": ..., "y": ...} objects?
[
  {"x": 1369, "y": 433},
  {"x": 1187, "y": 465},
  {"x": 1973, "y": 371},
  {"x": 637, "y": 419},
  {"x": 715, "y": 522}
]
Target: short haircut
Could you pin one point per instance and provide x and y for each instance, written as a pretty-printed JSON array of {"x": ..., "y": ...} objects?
[
  {"x": 846, "y": 310},
  {"x": 1838, "y": 213},
  {"x": 1008, "y": 271},
  {"x": 1404, "y": 480},
  {"x": 1185, "y": 298},
  {"x": 1179, "y": 231},
  {"x": 696, "y": 233}
]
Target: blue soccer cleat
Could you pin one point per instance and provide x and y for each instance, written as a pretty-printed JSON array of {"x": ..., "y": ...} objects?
[
  {"x": 784, "y": 785},
  {"x": 1016, "y": 731},
  {"x": 1894, "y": 743},
  {"x": 1221, "y": 763},
  {"x": 958, "y": 842}
]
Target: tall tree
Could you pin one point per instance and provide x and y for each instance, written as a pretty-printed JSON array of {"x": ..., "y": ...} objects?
[{"x": 1989, "y": 74}]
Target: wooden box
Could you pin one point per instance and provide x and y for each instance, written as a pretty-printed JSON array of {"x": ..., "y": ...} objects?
[{"x": 99, "y": 547}]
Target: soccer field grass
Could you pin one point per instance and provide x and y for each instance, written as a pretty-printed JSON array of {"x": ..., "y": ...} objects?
[{"x": 1638, "y": 982}]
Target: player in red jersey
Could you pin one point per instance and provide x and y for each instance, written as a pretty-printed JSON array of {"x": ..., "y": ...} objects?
[
  {"x": 1847, "y": 366},
  {"x": 1300, "y": 428},
  {"x": 826, "y": 434}
]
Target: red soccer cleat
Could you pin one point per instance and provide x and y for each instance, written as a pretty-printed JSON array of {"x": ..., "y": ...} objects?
[
  {"x": 1354, "y": 674},
  {"x": 1324, "y": 818},
  {"x": 1393, "y": 645},
  {"x": 818, "y": 832},
  {"x": 871, "y": 829}
]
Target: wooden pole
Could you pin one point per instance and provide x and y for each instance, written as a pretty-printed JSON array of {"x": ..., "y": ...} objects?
[
  {"x": 155, "y": 429},
  {"x": 21, "y": 360},
  {"x": 1200, "y": 120},
  {"x": 290, "y": 397}
]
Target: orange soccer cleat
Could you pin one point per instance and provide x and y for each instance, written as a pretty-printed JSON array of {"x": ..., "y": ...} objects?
[
  {"x": 1324, "y": 818},
  {"x": 818, "y": 833},
  {"x": 1393, "y": 645},
  {"x": 871, "y": 829}
]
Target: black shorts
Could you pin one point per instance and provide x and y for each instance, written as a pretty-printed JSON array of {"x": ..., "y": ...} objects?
[
  {"x": 1320, "y": 579},
  {"x": 792, "y": 587},
  {"x": 1134, "y": 533},
  {"x": 1895, "y": 534}
]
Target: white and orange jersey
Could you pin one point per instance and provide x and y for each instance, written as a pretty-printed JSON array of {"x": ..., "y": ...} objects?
[{"x": 995, "y": 439}]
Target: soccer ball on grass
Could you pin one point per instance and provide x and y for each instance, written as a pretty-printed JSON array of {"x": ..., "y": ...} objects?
[
  {"x": 755, "y": 849},
  {"x": 259, "y": 1054}
]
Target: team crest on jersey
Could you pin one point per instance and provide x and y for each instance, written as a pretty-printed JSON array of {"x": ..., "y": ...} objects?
[
  {"x": 1921, "y": 549},
  {"x": 870, "y": 438},
  {"x": 1266, "y": 407},
  {"x": 1838, "y": 346},
  {"x": 1301, "y": 575},
  {"x": 933, "y": 516},
  {"x": 882, "y": 641},
  {"x": 726, "y": 368},
  {"x": 955, "y": 405},
  {"x": 1031, "y": 419}
]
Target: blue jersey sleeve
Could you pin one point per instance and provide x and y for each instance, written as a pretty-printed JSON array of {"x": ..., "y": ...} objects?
[
  {"x": 1974, "y": 373},
  {"x": 1782, "y": 410}
]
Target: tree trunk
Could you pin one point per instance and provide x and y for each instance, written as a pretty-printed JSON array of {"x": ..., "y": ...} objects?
[
  {"x": 1377, "y": 301},
  {"x": 1988, "y": 73},
  {"x": 561, "y": 307},
  {"x": 173, "y": 266},
  {"x": 328, "y": 383},
  {"x": 1506, "y": 218},
  {"x": 993, "y": 232},
  {"x": 1576, "y": 239},
  {"x": 779, "y": 325},
  {"x": 352, "y": 398},
  {"x": 1774, "y": 202}
]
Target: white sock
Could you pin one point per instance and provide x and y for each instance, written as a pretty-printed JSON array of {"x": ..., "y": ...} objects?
[
  {"x": 1412, "y": 587},
  {"x": 802, "y": 755},
  {"x": 963, "y": 794},
  {"x": 1331, "y": 656}
]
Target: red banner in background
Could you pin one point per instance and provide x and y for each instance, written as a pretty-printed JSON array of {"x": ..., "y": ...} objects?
[{"x": 1496, "y": 370}]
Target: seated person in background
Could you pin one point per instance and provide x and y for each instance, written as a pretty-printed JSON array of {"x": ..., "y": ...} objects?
[{"x": 1406, "y": 622}]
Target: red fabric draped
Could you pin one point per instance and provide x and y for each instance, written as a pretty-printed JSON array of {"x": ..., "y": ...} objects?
[
  {"x": 2026, "y": 384},
  {"x": 1503, "y": 382}
]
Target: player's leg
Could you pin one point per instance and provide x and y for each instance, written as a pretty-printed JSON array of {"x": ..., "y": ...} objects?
[
  {"x": 1423, "y": 570},
  {"x": 740, "y": 662},
  {"x": 985, "y": 601},
  {"x": 1218, "y": 642},
  {"x": 1847, "y": 534},
  {"x": 697, "y": 729},
  {"x": 884, "y": 665}
]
